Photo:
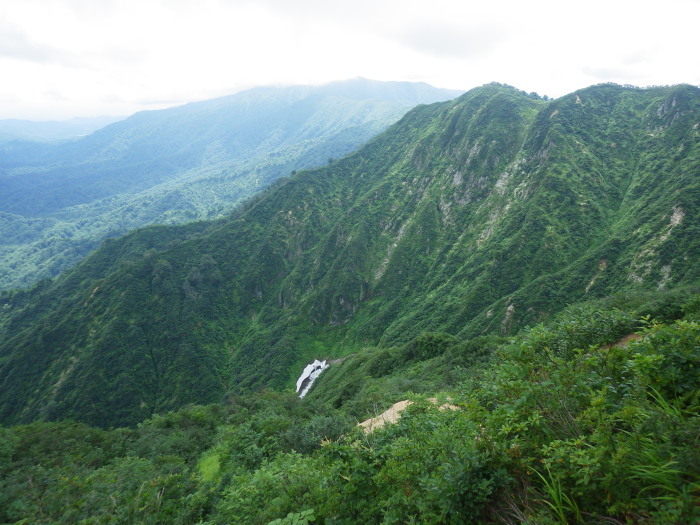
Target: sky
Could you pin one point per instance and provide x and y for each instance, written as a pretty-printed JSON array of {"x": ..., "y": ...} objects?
[{"x": 75, "y": 58}]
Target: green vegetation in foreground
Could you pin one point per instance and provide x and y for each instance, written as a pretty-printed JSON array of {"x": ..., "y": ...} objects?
[{"x": 554, "y": 426}]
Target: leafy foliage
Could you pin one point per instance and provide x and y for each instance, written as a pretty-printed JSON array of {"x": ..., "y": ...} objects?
[{"x": 537, "y": 438}]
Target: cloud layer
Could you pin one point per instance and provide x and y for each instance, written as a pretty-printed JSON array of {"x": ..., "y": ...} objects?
[{"x": 65, "y": 58}]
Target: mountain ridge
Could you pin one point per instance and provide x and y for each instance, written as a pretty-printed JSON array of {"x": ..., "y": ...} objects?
[
  {"x": 475, "y": 216},
  {"x": 181, "y": 164}
]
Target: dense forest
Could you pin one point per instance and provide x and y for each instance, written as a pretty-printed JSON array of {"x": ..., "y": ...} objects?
[{"x": 523, "y": 271}]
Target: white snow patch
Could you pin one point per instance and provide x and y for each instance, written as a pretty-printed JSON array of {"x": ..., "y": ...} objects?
[{"x": 309, "y": 375}]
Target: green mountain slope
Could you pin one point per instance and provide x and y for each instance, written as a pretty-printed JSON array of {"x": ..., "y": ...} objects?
[
  {"x": 59, "y": 201},
  {"x": 469, "y": 217}
]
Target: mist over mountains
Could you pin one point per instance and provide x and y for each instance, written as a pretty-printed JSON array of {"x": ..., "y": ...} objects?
[
  {"x": 60, "y": 200},
  {"x": 44, "y": 131}
]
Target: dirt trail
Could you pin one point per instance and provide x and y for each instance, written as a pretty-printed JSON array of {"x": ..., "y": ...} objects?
[
  {"x": 393, "y": 413},
  {"x": 624, "y": 341}
]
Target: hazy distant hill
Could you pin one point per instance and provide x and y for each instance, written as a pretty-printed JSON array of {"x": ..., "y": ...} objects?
[
  {"x": 474, "y": 216},
  {"x": 44, "y": 131},
  {"x": 59, "y": 200}
]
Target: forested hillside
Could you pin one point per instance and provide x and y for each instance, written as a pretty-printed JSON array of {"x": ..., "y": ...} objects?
[
  {"x": 557, "y": 425},
  {"x": 471, "y": 217},
  {"x": 58, "y": 201}
]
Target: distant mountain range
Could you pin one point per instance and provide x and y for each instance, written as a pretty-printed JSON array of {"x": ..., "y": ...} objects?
[
  {"x": 29, "y": 130},
  {"x": 475, "y": 216},
  {"x": 59, "y": 200}
]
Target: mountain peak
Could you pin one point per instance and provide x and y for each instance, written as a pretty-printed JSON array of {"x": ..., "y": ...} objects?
[{"x": 191, "y": 162}]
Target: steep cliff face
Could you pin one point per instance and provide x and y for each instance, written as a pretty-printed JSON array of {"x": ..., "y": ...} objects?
[{"x": 473, "y": 216}]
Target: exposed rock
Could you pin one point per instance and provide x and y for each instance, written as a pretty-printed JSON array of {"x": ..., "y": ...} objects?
[{"x": 392, "y": 414}]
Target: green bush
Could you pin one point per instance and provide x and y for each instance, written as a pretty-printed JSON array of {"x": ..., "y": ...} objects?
[{"x": 428, "y": 345}]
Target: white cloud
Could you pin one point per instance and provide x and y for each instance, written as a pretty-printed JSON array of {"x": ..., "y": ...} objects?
[
  {"x": 14, "y": 44},
  {"x": 449, "y": 40},
  {"x": 63, "y": 58}
]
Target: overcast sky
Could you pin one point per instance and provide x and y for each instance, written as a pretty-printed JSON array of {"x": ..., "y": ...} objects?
[{"x": 67, "y": 58}]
